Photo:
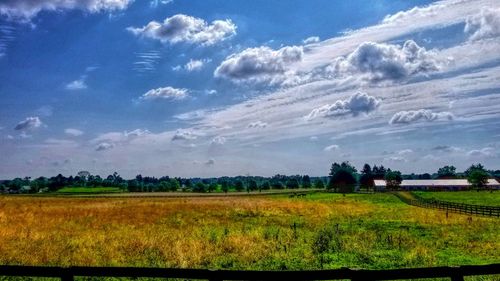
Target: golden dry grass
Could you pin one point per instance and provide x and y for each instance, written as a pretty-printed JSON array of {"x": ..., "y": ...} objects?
[{"x": 238, "y": 232}]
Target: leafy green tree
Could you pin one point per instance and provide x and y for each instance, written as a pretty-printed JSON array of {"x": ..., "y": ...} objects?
[
  {"x": 319, "y": 184},
  {"x": 265, "y": 186},
  {"x": 447, "y": 172},
  {"x": 378, "y": 172},
  {"x": 224, "y": 186},
  {"x": 342, "y": 177},
  {"x": 252, "y": 185},
  {"x": 200, "y": 187},
  {"x": 238, "y": 185},
  {"x": 473, "y": 167},
  {"x": 478, "y": 178},
  {"x": 366, "y": 179},
  {"x": 174, "y": 185},
  {"x": 393, "y": 179},
  {"x": 212, "y": 187},
  {"x": 292, "y": 184},
  {"x": 133, "y": 186},
  {"x": 306, "y": 182}
]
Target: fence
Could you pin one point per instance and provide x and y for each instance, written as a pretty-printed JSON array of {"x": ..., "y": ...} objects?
[
  {"x": 490, "y": 211},
  {"x": 69, "y": 273}
]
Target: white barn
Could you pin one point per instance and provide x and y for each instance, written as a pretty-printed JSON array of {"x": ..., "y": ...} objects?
[{"x": 440, "y": 184}]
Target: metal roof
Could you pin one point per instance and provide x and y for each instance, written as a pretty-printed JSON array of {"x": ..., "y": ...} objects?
[{"x": 442, "y": 182}]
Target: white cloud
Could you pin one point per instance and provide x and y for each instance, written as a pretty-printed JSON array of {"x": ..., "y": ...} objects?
[
  {"x": 183, "y": 28},
  {"x": 73, "y": 132},
  {"x": 483, "y": 25},
  {"x": 28, "y": 124},
  {"x": 404, "y": 152},
  {"x": 380, "y": 61},
  {"x": 354, "y": 105},
  {"x": 156, "y": 3},
  {"x": 261, "y": 64},
  {"x": 219, "y": 140},
  {"x": 210, "y": 162},
  {"x": 310, "y": 40},
  {"x": 257, "y": 124},
  {"x": 165, "y": 93},
  {"x": 104, "y": 146},
  {"x": 395, "y": 159},
  {"x": 331, "y": 147},
  {"x": 484, "y": 152},
  {"x": 25, "y": 10},
  {"x": 406, "y": 117},
  {"x": 184, "y": 135},
  {"x": 192, "y": 65},
  {"x": 79, "y": 84},
  {"x": 416, "y": 12},
  {"x": 313, "y": 138}
]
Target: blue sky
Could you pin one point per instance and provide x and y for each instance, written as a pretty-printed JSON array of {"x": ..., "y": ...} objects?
[{"x": 212, "y": 88}]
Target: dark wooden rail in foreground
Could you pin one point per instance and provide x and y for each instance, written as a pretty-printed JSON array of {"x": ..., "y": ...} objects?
[
  {"x": 488, "y": 211},
  {"x": 68, "y": 273}
]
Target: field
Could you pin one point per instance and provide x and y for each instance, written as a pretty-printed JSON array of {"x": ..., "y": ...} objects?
[
  {"x": 88, "y": 190},
  {"x": 485, "y": 198},
  {"x": 263, "y": 232}
]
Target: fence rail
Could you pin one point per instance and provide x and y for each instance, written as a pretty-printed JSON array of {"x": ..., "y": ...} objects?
[
  {"x": 488, "y": 211},
  {"x": 69, "y": 273}
]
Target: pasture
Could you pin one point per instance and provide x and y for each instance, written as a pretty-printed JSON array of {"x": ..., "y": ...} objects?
[
  {"x": 485, "y": 198},
  {"x": 372, "y": 231}
]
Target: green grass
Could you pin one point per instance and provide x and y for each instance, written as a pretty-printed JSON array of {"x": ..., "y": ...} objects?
[
  {"x": 485, "y": 198},
  {"x": 89, "y": 190}
]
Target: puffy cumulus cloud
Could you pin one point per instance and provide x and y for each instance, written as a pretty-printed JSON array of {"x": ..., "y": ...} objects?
[
  {"x": 310, "y": 40},
  {"x": 416, "y": 12},
  {"x": 379, "y": 61},
  {"x": 29, "y": 123},
  {"x": 407, "y": 117},
  {"x": 168, "y": 93},
  {"x": 354, "y": 105},
  {"x": 25, "y": 10},
  {"x": 261, "y": 64},
  {"x": 79, "y": 84},
  {"x": 486, "y": 152},
  {"x": 183, "y": 28},
  {"x": 104, "y": 146},
  {"x": 73, "y": 132},
  {"x": 184, "y": 135},
  {"x": 218, "y": 140},
  {"x": 483, "y": 25},
  {"x": 257, "y": 125},
  {"x": 192, "y": 65},
  {"x": 332, "y": 147}
]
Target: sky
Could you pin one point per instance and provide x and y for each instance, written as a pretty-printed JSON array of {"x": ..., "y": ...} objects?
[{"x": 206, "y": 88}]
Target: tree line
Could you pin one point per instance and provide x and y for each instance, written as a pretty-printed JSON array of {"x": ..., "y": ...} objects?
[{"x": 343, "y": 177}]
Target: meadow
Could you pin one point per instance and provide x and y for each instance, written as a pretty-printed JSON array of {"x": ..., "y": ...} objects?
[
  {"x": 322, "y": 230},
  {"x": 485, "y": 198}
]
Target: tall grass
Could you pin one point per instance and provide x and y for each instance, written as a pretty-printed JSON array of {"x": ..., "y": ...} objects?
[{"x": 319, "y": 231}]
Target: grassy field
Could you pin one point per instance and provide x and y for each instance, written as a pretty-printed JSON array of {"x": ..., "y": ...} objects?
[
  {"x": 468, "y": 197},
  {"x": 265, "y": 232},
  {"x": 89, "y": 190}
]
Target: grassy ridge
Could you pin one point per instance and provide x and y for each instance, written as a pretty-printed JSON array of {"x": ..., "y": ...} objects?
[
  {"x": 485, "y": 198},
  {"x": 318, "y": 231}
]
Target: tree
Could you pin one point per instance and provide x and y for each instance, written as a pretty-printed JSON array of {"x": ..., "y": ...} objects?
[
  {"x": 224, "y": 186},
  {"x": 212, "y": 187},
  {"x": 306, "y": 182},
  {"x": 238, "y": 185},
  {"x": 478, "y": 178},
  {"x": 174, "y": 185},
  {"x": 366, "y": 179},
  {"x": 378, "y": 172},
  {"x": 199, "y": 187},
  {"x": 319, "y": 184},
  {"x": 342, "y": 177},
  {"x": 447, "y": 172},
  {"x": 265, "y": 186},
  {"x": 393, "y": 179},
  {"x": 84, "y": 176},
  {"x": 292, "y": 184},
  {"x": 252, "y": 185},
  {"x": 473, "y": 167}
]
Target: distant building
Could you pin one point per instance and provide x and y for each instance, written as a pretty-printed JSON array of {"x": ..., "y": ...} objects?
[{"x": 442, "y": 184}]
